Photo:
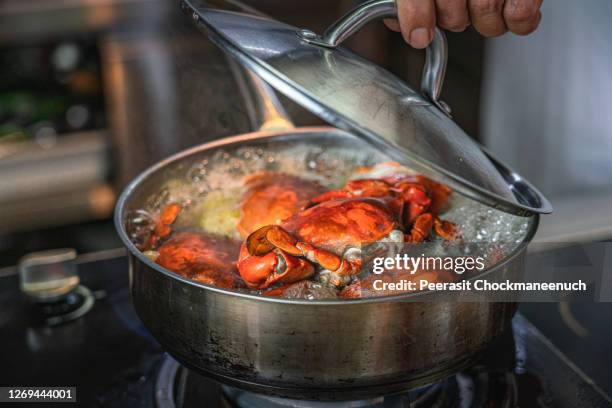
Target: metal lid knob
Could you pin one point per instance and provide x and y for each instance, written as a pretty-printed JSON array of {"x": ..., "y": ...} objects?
[{"x": 47, "y": 276}]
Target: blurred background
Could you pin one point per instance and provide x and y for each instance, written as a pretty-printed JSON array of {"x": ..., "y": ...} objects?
[{"x": 94, "y": 91}]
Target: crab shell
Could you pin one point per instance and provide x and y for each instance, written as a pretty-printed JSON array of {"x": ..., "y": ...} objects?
[
  {"x": 323, "y": 234},
  {"x": 338, "y": 225},
  {"x": 272, "y": 198},
  {"x": 395, "y": 174},
  {"x": 207, "y": 259}
]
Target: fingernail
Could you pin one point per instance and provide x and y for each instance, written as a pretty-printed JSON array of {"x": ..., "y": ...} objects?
[{"x": 420, "y": 37}]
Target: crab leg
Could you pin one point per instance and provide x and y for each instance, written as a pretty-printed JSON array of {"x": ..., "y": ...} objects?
[
  {"x": 416, "y": 198},
  {"x": 421, "y": 228},
  {"x": 330, "y": 195},
  {"x": 446, "y": 229}
]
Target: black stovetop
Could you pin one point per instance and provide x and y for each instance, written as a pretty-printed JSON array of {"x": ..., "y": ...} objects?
[{"x": 114, "y": 362}]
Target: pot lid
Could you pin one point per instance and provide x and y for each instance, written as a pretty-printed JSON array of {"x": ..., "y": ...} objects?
[{"x": 351, "y": 93}]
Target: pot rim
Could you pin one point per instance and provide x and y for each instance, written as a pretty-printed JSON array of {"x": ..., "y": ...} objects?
[{"x": 226, "y": 141}]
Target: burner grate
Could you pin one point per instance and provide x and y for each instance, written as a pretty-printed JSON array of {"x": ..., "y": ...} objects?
[
  {"x": 177, "y": 387},
  {"x": 68, "y": 308}
]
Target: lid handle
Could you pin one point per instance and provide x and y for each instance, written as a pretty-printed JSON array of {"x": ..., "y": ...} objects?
[{"x": 436, "y": 54}]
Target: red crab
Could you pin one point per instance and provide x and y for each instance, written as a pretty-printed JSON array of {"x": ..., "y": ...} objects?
[
  {"x": 330, "y": 232},
  {"x": 208, "y": 259},
  {"x": 412, "y": 196},
  {"x": 272, "y": 198}
]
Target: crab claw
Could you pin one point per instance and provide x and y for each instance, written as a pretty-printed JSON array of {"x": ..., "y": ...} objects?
[
  {"x": 271, "y": 247},
  {"x": 276, "y": 266}
]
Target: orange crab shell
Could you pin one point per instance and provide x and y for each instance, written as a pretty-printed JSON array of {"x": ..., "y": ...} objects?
[
  {"x": 338, "y": 224},
  {"x": 207, "y": 259},
  {"x": 272, "y": 198}
]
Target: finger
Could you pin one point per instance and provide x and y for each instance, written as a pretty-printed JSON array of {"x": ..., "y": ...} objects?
[
  {"x": 530, "y": 26},
  {"x": 392, "y": 24},
  {"x": 521, "y": 16},
  {"x": 452, "y": 14},
  {"x": 417, "y": 20},
  {"x": 487, "y": 17}
]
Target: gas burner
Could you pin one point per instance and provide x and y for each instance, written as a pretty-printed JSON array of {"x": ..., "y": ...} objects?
[
  {"x": 176, "y": 386},
  {"x": 68, "y": 308},
  {"x": 51, "y": 280},
  {"x": 243, "y": 399}
]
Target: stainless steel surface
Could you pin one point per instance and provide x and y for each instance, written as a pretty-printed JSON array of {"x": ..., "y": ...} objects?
[
  {"x": 434, "y": 71},
  {"x": 356, "y": 95},
  {"x": 330, "y": 350},
  {"x": 48, "y": 275},
  {"x": 353, "y": 21},
  {"x": 435, "y": 60}
]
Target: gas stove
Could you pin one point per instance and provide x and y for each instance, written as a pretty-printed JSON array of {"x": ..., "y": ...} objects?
[{"x": 94, "y": 340}]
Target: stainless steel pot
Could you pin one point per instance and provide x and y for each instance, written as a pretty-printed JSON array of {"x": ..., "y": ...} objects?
[
  {"x": 306, "y": 349},
  {"x": 324, "y": 350}
]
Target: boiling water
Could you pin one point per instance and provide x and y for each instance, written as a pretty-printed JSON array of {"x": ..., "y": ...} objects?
[
  {"x": 210, "y": 190},
  {"x": 218, "y": 182}
]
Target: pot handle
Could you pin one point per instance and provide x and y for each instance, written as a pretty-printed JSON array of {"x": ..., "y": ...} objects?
[{"x": 436, "y": 54}]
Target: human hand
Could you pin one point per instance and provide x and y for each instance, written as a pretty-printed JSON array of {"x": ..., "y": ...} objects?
[{"x": 418, "y": 18}]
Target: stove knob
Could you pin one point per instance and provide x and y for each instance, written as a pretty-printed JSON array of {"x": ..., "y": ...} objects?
[{"x": 48, "y": 276}]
